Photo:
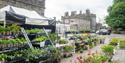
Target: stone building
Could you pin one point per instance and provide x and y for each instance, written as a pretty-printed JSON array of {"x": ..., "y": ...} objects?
[
  {"x": 36, "y": 5},
  {"x": 98, "y": 26},
  {"x": 80, "y": 21}
]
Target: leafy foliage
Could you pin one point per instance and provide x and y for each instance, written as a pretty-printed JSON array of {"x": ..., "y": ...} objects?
[
  {"x": 116, "y": 1},
  {"x": 3, "y": 57},
  {"x": 32, "y": 31},
  {"x": 68, "y": 48},
  {"x": 108, "y": 49},
  {"x": 114, "y": 41},
  {"x": 96, "y": 59},
  {"x": 13, "y": 41},
  {"x": 116, "y": 19},
  {"x": 40, "y": 38},
  {"x": 53, "y": 37},
  {"x": 32, "y": 53},
  {"x": 122, "y": 44},
  {"x": 56, "y": 53},
  {"x": 13, "y": 28},
  {"x": 29, "y": 54},
  {"x": 63, "y": 41}
]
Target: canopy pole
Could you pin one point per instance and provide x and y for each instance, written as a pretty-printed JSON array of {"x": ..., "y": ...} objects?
[
  {"x": 26, "y": 37},
  {"x": 4, "y": 23},
  {"x": 48, "y": 37}
]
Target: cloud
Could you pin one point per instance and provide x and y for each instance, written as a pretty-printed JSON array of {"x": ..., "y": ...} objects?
[{"x": 56, "y": 8}]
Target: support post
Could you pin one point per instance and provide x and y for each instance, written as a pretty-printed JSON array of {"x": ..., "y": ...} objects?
[
  {"x": 48, "y": 37},
  {"x": 4, "y": 24},
  {"x": 26, "y": 37}
]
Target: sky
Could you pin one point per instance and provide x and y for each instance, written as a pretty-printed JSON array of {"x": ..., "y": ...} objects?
[{"x": 57, "y": 8}]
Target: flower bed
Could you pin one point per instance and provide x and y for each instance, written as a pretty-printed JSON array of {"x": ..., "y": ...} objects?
[{"x": 86, "y": 41}]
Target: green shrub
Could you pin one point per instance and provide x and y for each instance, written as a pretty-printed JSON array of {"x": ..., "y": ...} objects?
[
  {"x": 122, "y": 44},
  {"x": 114, "y": 41},
  {"x": 108, "y": 49}
]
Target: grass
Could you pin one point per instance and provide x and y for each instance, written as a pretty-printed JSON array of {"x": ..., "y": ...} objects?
[{"x": 122, "y": 44}]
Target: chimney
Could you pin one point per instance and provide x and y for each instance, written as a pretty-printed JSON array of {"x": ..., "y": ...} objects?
[
  {"x": 66, "y": 14},
  {"x": 87, "y": 11},
  {"x": 73, "y": 13},
  {"x": 80, "y": 12}
]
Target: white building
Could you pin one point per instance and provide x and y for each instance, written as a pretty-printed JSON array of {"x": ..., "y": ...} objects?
[
  {"x": 61, "y": 28},
  {"x": 81, "y": 21}
]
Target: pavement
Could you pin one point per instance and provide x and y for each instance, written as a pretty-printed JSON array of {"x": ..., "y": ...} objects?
[{"x": 119, "y": 56}]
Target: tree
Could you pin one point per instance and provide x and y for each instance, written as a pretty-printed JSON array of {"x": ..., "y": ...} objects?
[
  {"x": 116, "y": 1},
  {"x": 116, "y": 17}
]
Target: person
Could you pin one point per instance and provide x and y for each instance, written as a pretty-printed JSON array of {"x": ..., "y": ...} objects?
[{"x": 109, "y": 31}]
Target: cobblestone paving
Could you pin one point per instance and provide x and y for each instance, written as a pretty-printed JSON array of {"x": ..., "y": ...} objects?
[{"x": 119, "y": 56}]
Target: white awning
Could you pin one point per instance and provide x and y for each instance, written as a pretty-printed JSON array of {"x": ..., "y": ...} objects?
[
  {"x": 32, "y": 17},
  {"x": 2, "y": 16},
  {"x": 24, "y": 12}
]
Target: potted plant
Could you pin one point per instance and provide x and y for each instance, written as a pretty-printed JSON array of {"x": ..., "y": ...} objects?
[
  {"x": 67, "y": 51},
  {"x": 53, "y": 37},
  {"x": 15, "y": 28},
  {"x": 108, "y": 51},
  {"x": 63, "y": 41},
  {"x": 3, "y": 58},
  {"x": 40, "y": 38},
  {"x": 96, "y": 58},
  {"x": 34, "y": 31}
]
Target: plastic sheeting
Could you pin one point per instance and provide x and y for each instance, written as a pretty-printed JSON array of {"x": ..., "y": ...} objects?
[
  {"x": 20, "y": 15},
  {"x": 24, "y": 12},
  {"x": 12, "y": 17},
  {"x": 36, "y": 21},
  {"x": 2, "y": 16}
]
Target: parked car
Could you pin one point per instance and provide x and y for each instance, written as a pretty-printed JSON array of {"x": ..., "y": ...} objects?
[{"x": 103, "y": 32}]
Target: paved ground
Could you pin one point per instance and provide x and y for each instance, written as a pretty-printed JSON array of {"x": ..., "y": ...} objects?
[
  {"x": 119, "y": 57},
  {"x": 120, "y": 54}
]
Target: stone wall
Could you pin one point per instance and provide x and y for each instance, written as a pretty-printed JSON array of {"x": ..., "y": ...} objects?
[
  {"x": 81, "y": 21},
  {"x": 36, "y": 5}
]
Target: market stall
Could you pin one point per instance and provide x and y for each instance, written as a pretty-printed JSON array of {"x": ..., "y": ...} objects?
[{"x": 19, "y": 25}]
